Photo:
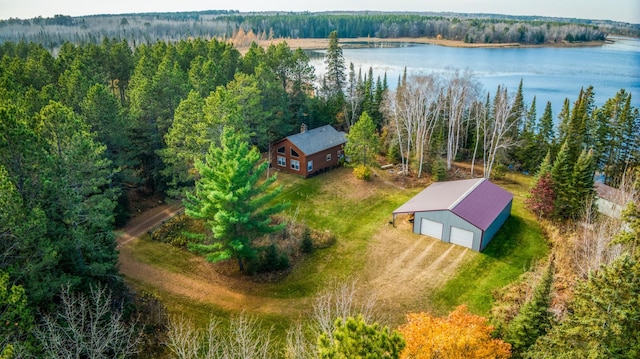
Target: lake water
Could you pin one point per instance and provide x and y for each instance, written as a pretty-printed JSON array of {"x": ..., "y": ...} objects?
[{"x": 549, "y": 73}]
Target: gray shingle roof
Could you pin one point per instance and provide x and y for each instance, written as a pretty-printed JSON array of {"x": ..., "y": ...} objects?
[
  {"x": 478, "y": 201},
  {"x": 318, "y": 139}
]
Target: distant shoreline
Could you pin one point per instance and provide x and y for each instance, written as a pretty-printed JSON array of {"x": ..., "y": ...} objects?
[{"x": 321, "y": 44}]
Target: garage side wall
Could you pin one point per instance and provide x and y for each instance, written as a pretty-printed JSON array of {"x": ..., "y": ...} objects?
[
  {"x": 448, "y": 219},
  {"x": 495, "y": 225}
]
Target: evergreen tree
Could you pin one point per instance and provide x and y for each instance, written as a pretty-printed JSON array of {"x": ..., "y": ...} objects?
[
  {"x": 79, "y": 199},
  {"x": 233, "y": 200},
  {"x": 301, "y": 86},
  {"x": 583, "y": 191},
  {"x": 534, "y": 318},
  {"x": 577, "y": 134},
  {"x": 240, "y": 104},
  {"x": 618, "y": 139},
  {"x": 378, "y": 100},
  {"x": 517, "y": 114},
  {"x": 354, "y": 338},
  {"x": 545, "y": 165},
  {"x": 336, "y": 77},
  {"x": 603, "y": 320},
  {"x": 186, "y": 142},
  {"x": 562, "y": 177},
  {"x": 529, "y": 152},
  {"x": 158, "y": 85},
  {"x": 276, "y": 119},
  {"x": 362, "y": 141},
  {"x": 545, "y": 135},
  {"x": 58, "y": 201},
  {"x": 530, "y": 125},
  {"x": 564, "y": 117}
]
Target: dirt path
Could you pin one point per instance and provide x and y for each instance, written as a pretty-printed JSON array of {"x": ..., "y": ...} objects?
[
  {"x": 203, "y": 283},
  {"x": 140, "y": 224}
]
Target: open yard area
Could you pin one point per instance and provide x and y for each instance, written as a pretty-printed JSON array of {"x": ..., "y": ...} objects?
[{"x": 403, "y": 271}]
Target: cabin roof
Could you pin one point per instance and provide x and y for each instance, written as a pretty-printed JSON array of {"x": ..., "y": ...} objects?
[{"x": 318, "y": 139}]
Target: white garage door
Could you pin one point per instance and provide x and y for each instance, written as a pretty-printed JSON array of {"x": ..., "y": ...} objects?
[
  {"x": 431, "y": 228},
  {"x": 461, "y": 237}
]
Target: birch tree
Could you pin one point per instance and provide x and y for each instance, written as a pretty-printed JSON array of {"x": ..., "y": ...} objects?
[
  {"x": 496, "y": 129},
  {"x": 413, "y": 113},
  {"x": 354, "y": 96},
  {"x": 462, "y": 91}
]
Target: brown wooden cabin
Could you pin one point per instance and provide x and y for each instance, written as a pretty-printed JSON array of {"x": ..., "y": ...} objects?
[{"x": 309, "y": 152}]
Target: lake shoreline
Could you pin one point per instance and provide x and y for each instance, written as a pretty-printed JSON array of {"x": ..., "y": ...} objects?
[{"x": 322, "y": 44}]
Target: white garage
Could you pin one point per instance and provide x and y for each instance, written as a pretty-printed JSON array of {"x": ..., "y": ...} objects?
[
  {"x": 431, "y": 228},
  {"x": 461, "y": 237},
  {"x": 466, "y": 213}
]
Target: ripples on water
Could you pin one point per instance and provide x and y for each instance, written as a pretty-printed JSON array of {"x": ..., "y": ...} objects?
[{"x": 549, "y": 73}]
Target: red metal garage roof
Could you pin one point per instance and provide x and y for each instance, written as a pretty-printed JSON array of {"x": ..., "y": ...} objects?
[{"x": 483, "y": 205}]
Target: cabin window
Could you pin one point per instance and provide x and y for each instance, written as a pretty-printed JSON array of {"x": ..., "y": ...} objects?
[
  {"x": 328, "y": 157},
  {"x": 281, "y": 149},
  {"x": 310, "y": 166},
  {"x": 294, "y": 153},
  {"x": 282, "y": 161},
  {"x": 295, "y": 165}
]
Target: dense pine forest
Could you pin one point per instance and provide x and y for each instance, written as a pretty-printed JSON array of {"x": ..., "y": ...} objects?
[{"x": 93, "y": 120}]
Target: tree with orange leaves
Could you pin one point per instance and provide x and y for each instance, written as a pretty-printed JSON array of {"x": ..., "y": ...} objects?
[{"x": 459, "y": 335}]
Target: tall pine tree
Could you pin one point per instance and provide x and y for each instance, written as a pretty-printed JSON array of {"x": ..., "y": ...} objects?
[
  {"x": 534, "y": 318},
  {"x": 233, "y": 200},
  {"x": 562, "y": 175}
]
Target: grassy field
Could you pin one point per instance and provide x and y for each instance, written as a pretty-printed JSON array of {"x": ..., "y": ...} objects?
[
  {"x": 358, "y": 214},
  {"x": 350, "y": 209}
]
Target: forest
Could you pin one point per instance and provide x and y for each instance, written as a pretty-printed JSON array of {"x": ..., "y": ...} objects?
[
  {"x": 148, "y": 28},
  {"x": 101, "y": 123}
]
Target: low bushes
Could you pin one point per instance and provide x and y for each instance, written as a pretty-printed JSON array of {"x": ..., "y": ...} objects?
[{"x": 276, "y": 252}]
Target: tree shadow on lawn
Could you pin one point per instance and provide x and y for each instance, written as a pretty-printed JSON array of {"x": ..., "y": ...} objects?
[{"x": 513, "y": 251}]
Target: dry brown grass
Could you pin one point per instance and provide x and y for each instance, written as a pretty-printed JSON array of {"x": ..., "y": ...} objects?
[{"x": 403, "y": 267}]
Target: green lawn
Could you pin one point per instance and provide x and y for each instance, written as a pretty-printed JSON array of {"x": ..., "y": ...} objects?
[
  {"x": 352, "y": 220},
  {"x": 353, "y": 212}
]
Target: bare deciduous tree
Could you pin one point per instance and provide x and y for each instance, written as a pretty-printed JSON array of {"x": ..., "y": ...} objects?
[
  {"x": 495, "y": 130},
  {"x": 185, "y": 342},
  {"x": 354, "y": 96},
  {"x": 595, "y": 244},
  {"x": 297, "y": 345},
  {"x": 339, "y": 300},
  {"x": 87, "y": 327},
  {"x": 414, "y": 112},
  {"x": 244, "y": 338},
  {"x": 462, "y": 91}
]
